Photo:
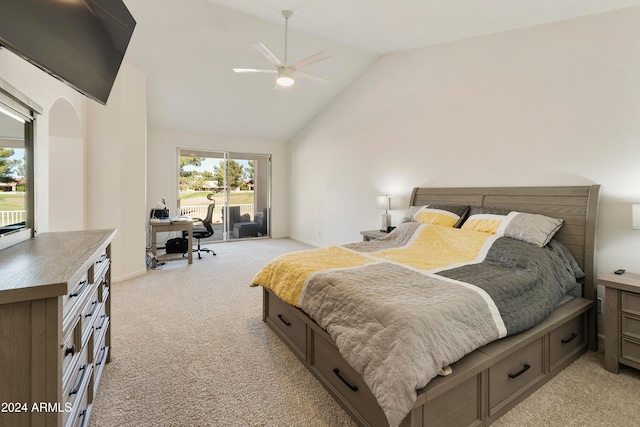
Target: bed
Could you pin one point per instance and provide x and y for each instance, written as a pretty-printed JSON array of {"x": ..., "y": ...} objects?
[{"x": 414, "y": 329}]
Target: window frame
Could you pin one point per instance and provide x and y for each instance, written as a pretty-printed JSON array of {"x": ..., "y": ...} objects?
[{"x": 15, "y": 102}]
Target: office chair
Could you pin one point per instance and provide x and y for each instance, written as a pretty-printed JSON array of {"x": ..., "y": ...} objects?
[{"x": 203, "y": 231}]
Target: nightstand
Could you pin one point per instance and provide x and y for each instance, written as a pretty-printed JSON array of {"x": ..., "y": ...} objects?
[
  {"x": 621, "y": 320},
  {"x": 372, "y": 235}
]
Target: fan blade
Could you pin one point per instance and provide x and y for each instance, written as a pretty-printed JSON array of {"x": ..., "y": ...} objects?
[
  {"x": 309, "y": 60},
  {"x": 267, "y": 54},
  {"x": 254, "y": 70},
  {"x": 309, "y": 77}
]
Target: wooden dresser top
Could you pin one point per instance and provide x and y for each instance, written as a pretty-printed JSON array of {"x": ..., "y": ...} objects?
[{"x": 46, "y": 265}]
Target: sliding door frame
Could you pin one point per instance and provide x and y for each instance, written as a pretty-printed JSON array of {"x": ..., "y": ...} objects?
[{"x": 260, "y": 207}]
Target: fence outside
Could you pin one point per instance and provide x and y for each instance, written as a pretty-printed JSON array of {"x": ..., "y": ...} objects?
[
  {"x": 12, "y": 217},
  {"x": 200, "y": 211}
]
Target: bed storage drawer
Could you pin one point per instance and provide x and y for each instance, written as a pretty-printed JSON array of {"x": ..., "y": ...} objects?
[
  {"x": 515, "y": 374},
  {"x": 566, "y": 340},
  {"x": 340, "y": 378},
  {"x": 460, "y": 406},
  {"x": 286, "y": 320}
]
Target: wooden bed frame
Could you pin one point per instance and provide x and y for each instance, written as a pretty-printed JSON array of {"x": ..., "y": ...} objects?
[{"x": 488, "y": 382}]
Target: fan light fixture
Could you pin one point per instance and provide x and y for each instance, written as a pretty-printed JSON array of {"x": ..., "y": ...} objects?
[
  {"x": 285, "y": 74},
  {"x": 284, "y": 79}
]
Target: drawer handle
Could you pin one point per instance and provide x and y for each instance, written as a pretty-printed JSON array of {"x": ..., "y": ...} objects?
[
  {"x": 69, "y": 351},
  {"x": 284, "y": 320},
  {"x": 93, "y": 310},
  {"x": 352, "y": 387},
  {"x": 83, "y": 415},
  {"x": 524, "y": 369},
  {"x": 104, "y": 319},
  {"x": 101, "y": 259},
  {"x": 76, "y": 389},
  {"x": 79, "y": 288},
  {"x": 104, "y": 352},
  {"x": 571, "y": 338}
]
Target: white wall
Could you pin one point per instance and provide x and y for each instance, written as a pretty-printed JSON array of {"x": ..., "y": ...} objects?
[
  {"x": 115, "y": 142},
  {"x": 162, "y": 177},
  {"x": 44, "y": 90},
  {"x": 116, "y": 160},
  {"x": 556, "y": 104},
  {"x": 67, "y": 169}
]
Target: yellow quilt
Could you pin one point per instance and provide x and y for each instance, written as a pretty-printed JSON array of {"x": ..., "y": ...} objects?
[{"x": 429, "y": 248}]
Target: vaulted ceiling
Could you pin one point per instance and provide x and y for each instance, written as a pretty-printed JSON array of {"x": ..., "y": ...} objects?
[{"x": 188, "y": 48}]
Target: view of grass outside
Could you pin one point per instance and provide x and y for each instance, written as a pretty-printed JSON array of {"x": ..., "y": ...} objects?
[
  {"x": 12, "y": 201},
  {"x": 202, "y": 176},
  {"x": 12, "y": 207},
  {"x": 12, "y": 172}
]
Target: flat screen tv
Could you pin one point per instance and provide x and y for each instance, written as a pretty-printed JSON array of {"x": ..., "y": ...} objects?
[{"x": 81, "y": 42}]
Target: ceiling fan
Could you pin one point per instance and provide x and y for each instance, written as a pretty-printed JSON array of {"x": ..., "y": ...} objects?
[{"x": 286, "y": 74}]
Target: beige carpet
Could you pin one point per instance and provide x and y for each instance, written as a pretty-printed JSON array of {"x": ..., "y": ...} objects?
[{"x": 189, "y": 348}]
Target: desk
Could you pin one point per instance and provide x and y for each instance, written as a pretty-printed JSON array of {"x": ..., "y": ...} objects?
[{"x": 167, "y": 227}]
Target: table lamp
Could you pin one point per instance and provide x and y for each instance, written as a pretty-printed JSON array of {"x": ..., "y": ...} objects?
[{"x": 388, "y": 203}]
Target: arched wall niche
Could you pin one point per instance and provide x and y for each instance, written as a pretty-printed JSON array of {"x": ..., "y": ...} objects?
[{"x": 67, "y": 173}]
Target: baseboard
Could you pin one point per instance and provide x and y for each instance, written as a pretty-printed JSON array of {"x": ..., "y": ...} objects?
[
  {"x": 128, "y": 276},
  {"x": 306, "y": 242}
]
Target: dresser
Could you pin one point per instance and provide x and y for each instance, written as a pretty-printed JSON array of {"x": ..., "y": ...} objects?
[
  {"x": 621, "y": 320},
  {"x": 55, "y": 309}
]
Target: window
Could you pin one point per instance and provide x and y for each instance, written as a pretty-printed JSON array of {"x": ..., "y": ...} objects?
[
  {"x": 238, "y": 183},
  {"x": 17, "y": 119}
]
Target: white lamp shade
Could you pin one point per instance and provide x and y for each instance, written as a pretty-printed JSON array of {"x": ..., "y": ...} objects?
[
  {"x": 635, "y": 216},
  {"x": 387, "y": 202},
  {"x": 382, "y": 202}
]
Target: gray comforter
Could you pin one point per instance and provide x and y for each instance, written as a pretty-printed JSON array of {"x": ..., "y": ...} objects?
[{"x": 398, "y": 318}]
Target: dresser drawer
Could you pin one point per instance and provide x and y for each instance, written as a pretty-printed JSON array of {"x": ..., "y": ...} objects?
[
  {"x": 101, "y": 264},
  {"x": 286, "y": 319},
  {"x": 630, "y": 303},
  {"x": 77, "y": 408},
  {"x": 567, "y": 339},
  {"x": 90, "y": 312},
  {"x": 630, "y": 352},
  {"x": 75, "y": 392},
  {"x": 514, "y": 374},
  {"x": 631, "y": 326},
  {"x": 103, "y": 288},
  {"x": 71, "y": 350},
  {"x": 98, "y": 366},
  {"x": 334, "y": 371},
  {"x": 101, "y": 325},
  {"x": 72, "y": 301}
]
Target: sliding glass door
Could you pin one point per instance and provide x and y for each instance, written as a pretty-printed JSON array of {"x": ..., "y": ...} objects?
[{"x": 237, "y": 184}]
